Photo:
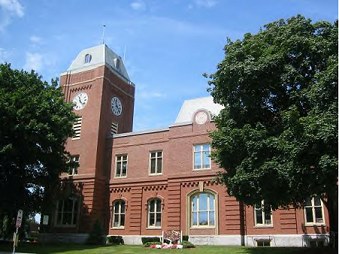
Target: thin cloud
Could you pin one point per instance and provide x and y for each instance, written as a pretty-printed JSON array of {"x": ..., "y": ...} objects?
[
  {"x": 203, "y": 4},
  {"x": 34, "y": 61},
  {"x": 157, "y": 25},
  {"x": 138, "y": 5},
  {"x": 4, "y": 55},
  {"x": 9, "y": 9},
  {"x": 151, "y": 95},
  {"x": 36, "y": 39}
]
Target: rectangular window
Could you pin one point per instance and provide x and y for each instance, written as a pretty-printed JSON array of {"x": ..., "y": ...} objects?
[
  {"x": 202, "y": 156},
  {"x": 263, "y": 214},
  {"x": 73, "y": 165},
  {"x": 314, "y": 211},
  {"x": 67, "y": 212},
  {"x": 77, "y": 127},
  {"x": 121, "y": 165},
  {"x": 155, "y": 163},
  {"x": 263, "y": 243}
]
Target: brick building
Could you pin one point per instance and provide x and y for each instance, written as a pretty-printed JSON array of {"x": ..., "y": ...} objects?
[{"x": 143, "y": 183}]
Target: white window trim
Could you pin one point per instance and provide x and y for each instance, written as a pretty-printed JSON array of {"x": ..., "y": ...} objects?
[
  {"x": 264, "y": 224},
  {"x": 155, "y": 213},
  {"x": 73, "y": 211},
  {"x": 314, "y": 223},
  {"x": 118, "y": 213},
  {"x": 116, "y": 163},
  {"x": 191, "y": 211},
  {"x": 156, "y": 162},
  {"x": 201, "y": 161}
]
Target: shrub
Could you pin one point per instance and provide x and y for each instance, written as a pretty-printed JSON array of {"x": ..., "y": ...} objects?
[
  {"x": 185, "y": 237},
  {"x": 114, "y": 240},
  {"x": 147, "y": 244},
  {"x": 150, "y": 239},
  {"x": 187, "y": 244}
]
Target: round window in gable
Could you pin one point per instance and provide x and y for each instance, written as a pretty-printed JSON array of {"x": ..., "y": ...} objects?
[{"x": 88, "y": 58}]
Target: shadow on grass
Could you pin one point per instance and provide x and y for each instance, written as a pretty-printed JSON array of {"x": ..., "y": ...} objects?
[
  {"x": 290, "y": 250},
  {"x": 107, "y": 249},
  {"x": 41, "y": 248}
]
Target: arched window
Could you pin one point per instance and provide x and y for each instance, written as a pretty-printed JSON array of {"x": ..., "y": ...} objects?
[
  {"x": 88, "y": 58},
  {"x": 203, "y": 210},
  {"x": 119, "y": 211},
  {"x": 67, "y": 211},
  {"x": 154, "y": 212}
]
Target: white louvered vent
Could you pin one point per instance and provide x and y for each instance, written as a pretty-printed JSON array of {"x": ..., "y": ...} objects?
[
  {"x": 77, "y": 128},
  {"x": 114, "y": 128}
]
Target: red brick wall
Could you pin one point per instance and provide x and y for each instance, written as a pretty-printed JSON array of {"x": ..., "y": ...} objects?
[
  {"x": 101, "y": 84},
  {"x": 178, "y": 181}
]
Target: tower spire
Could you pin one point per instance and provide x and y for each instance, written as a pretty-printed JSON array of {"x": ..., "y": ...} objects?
[{"x": 103, "y": 33}]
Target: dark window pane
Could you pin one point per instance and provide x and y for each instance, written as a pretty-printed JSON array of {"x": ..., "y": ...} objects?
[
  {"x": 158, "y": 219},
  {"x": 122, "y": 220},
  {"x": 318, "y": 215},
  {"x": 151, "y": 206},
  {"x": 152, "y": 166},
  {"x": 259, "y": 217},
  {"x": 309, "y": 215},
  {"x": 151, "y": 219},
  {"x": 122, "y": 207},
  {"x": 159, "y": 162},
  {"x": 158, "y": 206},
  {"x": 317, "y": 201},
  {"x": 308, "y": 202}
]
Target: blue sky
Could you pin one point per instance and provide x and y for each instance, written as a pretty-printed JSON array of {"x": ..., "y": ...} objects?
[{"x": 167, "y": 44}]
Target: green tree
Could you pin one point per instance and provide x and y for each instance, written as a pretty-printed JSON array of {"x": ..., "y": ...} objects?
[
  {"x": 277, "y": 136},
  {"x": 34, "y": 125}
]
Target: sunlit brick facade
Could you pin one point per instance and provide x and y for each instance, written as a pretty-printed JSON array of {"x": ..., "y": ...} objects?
[{"x": 138, "y": 184}]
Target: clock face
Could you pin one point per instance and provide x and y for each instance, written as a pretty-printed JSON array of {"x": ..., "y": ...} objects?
[
  {"x": 201, "y": 117},
  {"x": 80, "y": 100},
  {"x": 116, "y": 106}
]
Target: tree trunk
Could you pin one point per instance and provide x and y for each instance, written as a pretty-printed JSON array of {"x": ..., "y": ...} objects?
[{"x": 332, "y": 207}]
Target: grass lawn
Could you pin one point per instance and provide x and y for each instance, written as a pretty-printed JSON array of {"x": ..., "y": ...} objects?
[{"x": 132, "y": 249}]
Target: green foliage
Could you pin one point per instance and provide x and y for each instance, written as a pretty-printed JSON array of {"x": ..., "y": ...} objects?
[
  {"x": 34, "y": 125},
  {"x": 147, "y": 244},
  {"x": 185, "y": 237},
  {"x": 96, "y": 235},
  {"x": 277, "y": 136},
  {"x": 149, "y": 239},
  {"x": 187, "y": 244},
  {"x": 114, "y": 240}
]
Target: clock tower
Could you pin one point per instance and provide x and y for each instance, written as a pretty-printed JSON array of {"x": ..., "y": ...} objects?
[{"x": 98, "y": 85}]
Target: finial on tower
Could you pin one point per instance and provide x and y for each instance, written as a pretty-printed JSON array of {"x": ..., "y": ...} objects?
[{"x": 103, "y": 34}]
